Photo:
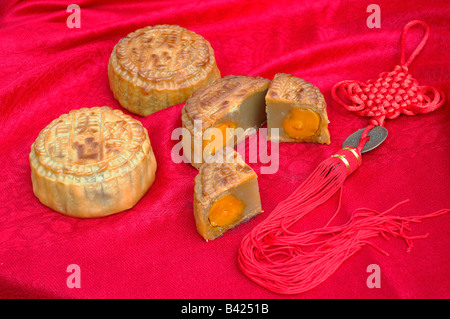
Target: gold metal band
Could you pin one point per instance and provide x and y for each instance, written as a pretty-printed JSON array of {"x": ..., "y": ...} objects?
[
  {"x": 358, "y": 158},
  {"x": 344, "y": 160}
]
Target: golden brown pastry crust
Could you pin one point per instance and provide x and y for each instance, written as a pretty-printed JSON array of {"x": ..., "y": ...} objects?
[
  {"x": 214, "y": 180},
  {"x": 159, "y": 66},
  {"x": 92, "y": 162},
  {"x": 287, "y": 88},
  {"x": 223, "y": 96},
  {"x": 210, "y": 103}
]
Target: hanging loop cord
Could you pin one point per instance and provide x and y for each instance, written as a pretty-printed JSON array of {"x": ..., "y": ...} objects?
[
  {"x": 393, "y": 93},
  {"x": 288, "y": 262}
]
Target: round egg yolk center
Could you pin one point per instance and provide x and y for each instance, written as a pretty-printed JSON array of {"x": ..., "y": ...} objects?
[
  {"x": 301, "y": 123},
  {"x": 217, "y": 143},
  {"x": 225, "y": 211}
]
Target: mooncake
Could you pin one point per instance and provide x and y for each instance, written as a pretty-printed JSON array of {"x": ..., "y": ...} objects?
[
  {"x": 297, "y": 109},
  {"x": 159, "y": 66},
  {"x": 222, "y": 113},
  {"x": 225, "y": 195},
  {"x": 92, "y": 162}
]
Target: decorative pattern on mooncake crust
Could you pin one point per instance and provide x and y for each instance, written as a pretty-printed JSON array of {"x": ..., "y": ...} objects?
[
  {"x": 159, "y": 66},
  {"x": 92, "y": 162}
]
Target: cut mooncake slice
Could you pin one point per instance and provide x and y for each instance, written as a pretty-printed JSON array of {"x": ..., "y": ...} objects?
[
  {"x": 225, "y": 195},
  {"x": 297, "y": 109},
  {"x": 223, "y": 113},
  {"x": 158, "y": 66},
  {"x": 92, "y": 162}
]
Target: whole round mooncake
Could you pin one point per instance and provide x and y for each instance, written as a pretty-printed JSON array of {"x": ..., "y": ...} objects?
[
  {"x": 159, "y": 66},
  {"x": 92, "y": 162}
]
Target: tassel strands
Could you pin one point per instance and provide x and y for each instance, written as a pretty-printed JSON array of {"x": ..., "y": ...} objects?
[
  {"x": 291, "y": 263},
  {"x": 271, "y": 254},
  {"x": 288, "y": 262}
]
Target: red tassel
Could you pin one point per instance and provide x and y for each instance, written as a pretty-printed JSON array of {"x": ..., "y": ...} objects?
[
  {"x": 268, "y": 255},
  {"x": 287, "y": 262}
]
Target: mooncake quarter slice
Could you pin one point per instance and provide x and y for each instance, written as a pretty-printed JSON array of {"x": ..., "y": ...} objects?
[
  {"x": 225, "y": 195},
  {"x": 92, "y": 162},
  {"x": 297, "y": 109},
  {"x": 159, "y": 66},
  {"x": 223, "y": 113}
]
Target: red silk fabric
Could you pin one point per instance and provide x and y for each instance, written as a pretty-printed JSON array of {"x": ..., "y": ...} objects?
[{"x": 153, "y": 250}]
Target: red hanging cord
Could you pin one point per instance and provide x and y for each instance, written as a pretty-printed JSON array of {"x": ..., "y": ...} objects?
[
  {"x": 393, "y": 93},
  {"x": 288, "y": 262}
]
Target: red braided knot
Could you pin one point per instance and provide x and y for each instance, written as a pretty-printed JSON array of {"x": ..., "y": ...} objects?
[
  {"x": 393, "y": 93},
  {"x": 285, "y": 261}
]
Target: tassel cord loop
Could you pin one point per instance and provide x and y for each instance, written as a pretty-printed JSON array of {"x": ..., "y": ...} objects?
[{"x": 286, "y": 261}]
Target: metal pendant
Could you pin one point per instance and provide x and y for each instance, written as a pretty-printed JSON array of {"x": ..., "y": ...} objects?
[{"x": 377, "y": 136}]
